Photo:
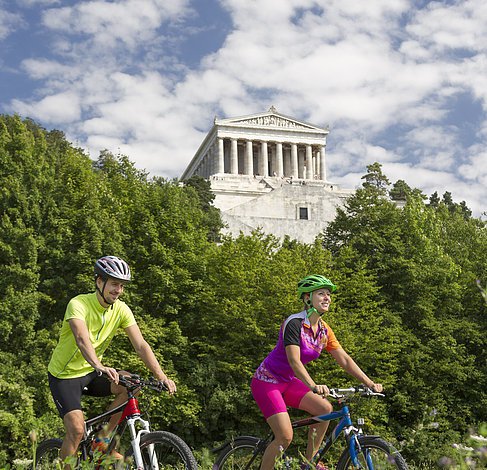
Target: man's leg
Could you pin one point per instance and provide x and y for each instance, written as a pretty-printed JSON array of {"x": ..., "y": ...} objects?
[
  {"x": 120, "y": 397},
  {"x": 120, "y": 393},
  {"x": 74, "y": 425}
]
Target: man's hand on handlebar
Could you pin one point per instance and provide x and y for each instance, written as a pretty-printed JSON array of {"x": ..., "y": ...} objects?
[
  {"x": 110, "y": 372},
  {"x": 169, "y": 385}
]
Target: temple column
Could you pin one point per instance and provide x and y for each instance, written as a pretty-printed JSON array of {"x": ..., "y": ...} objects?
[
  {"x": 317, "y": 165},
  {"x": 309, "y": 162},
  {"x": 221, "y": 156},
  {"x": 264, "y": 161},
  {"x": 322, "y": 164},
  {"x": 286, "y": 161},
  {"x": 249, "y": 159},
  {"x": 208, "y": 165},
  {"x": 214, "y": 159},
  {"x": 211, "y": 163},
  {"x": 294, "y": 161},
  {"x": 301, "y": 165},
  {"x": 279, "y": 160},
  {"x": 234, "y": 157}
]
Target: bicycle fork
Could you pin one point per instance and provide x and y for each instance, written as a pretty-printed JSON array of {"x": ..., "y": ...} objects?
[
  {"x": 355, "y": 449},
  {"x": 135, "y": 441}
]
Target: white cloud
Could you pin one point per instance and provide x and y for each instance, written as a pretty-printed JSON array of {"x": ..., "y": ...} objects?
[
  {"x": 443, "y": 27},
  {"x": 33, "y": 3},
  {"x": 9, "y": 22},
  {"x": 54, "y": 109},
  {"x": 108, "y": 24},
  {"x": 384, "y": 75},
  {"x": 476, "y": 169},
  {"x": 473, "y": 193},
  {"x": 43, "y": 69}
]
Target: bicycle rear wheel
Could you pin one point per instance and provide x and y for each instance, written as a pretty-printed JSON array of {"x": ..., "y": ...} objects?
[
  {"x": 47, "y": 454},
  {"x": 375, "y": 454},
  {"x": 243, "y": 453},
  {"x": 170, "y": 451}
]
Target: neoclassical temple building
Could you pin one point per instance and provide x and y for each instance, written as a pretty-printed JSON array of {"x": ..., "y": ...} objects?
[{"x": 268, "y": 171}]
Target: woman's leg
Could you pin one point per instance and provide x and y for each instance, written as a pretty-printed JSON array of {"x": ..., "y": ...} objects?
[
  {"x": 315, "y": 405},
  {"x": 280, "y": 424}
]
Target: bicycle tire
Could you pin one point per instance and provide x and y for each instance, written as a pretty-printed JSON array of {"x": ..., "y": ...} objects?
[
  {"x": 243, "y": 453},
  {"x": 47, "y": 454},
  {"x": 171, "y": 452},
  {"x": 375, "y": 454}
]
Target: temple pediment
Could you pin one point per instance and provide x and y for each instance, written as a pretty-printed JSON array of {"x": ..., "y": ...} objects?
[
  {"x": 262, "y": 145},
  {"x": 269, "y": 119}
]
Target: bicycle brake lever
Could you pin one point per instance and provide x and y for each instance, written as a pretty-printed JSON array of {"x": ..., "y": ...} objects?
[
  {"x": 368, "y": 391},
  {"x": 162, "y": 387},
  {"x": 334, "y": 394},
  {"x": 157, "y": 385}
]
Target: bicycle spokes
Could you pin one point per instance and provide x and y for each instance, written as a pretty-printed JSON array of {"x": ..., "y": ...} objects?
[{"x": 375, "y": 459}]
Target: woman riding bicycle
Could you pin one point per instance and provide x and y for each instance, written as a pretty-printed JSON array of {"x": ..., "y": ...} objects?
[{"x": 282, "y": 380}]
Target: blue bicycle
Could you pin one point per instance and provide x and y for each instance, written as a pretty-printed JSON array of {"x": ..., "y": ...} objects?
[{"x": 362, "y": 451}]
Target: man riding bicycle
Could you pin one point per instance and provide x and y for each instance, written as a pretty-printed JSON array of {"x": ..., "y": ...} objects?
[{"x": 76, "y": 368}]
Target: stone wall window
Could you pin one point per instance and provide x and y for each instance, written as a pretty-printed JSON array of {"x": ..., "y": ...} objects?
[{"x": 303, "y": 213}]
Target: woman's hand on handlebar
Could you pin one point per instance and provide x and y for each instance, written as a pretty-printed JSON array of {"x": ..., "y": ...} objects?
[
  {"x": 376, "y": 387},
  {"x": 322, "y": 390}
]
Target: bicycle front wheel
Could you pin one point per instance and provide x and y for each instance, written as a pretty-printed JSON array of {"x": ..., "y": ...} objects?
[
  {"x": 165, "y": 448},
  {"x": 47, "y": 454},
  {"x": 243, "y": 453},
  {"x": 374, "y": 454}
]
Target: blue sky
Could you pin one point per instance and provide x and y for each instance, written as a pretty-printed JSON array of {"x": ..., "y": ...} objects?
[{"x": 400, "y": 82}]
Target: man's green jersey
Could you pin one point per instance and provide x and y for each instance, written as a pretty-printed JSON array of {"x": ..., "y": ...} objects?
[{"x": 67, "y": 362}]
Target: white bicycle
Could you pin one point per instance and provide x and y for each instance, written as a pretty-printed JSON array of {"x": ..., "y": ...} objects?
[{"x": 149, "y": 450}]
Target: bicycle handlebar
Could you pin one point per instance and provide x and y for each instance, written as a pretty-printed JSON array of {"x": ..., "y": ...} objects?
[
  {"x": 134, "y": 381},
  {"x": 339, "y": 393}
]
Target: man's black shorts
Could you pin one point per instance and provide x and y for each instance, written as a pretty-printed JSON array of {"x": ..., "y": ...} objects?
[{"x": 67, "y": 392}]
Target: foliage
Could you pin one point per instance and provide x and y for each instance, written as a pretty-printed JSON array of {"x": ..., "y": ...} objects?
[
  {"x": 407, "y": 308},
  {"x": 425, "y": 259}
]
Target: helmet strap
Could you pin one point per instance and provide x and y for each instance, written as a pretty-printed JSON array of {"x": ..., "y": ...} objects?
[
  {"x": 103, "y": 290},
  {"x": 309, "y": 307},
  {"x": 311, "y": 311}
]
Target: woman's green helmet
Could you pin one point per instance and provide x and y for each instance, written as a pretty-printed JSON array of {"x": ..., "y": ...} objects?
[{"x": 314, "y": 282}]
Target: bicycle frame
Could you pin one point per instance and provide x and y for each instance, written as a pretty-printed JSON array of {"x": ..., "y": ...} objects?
[
  {"x": 130, "y": 416},
  {"x": 357, "y": 443},
  {"x": 344, "y": 424}
]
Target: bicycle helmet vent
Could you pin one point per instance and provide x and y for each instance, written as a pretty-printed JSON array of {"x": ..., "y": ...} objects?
[
  {"x": 314, "y": 282},
  {"x": 111, "y": 266}
]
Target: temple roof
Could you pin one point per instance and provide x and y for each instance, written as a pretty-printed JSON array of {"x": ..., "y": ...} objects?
[{"x": 268, "y": 119}]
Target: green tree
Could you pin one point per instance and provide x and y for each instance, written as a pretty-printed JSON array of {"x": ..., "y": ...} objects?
[
  {"x": 425, "y": 260},
  {"x": 399, "y": 191},
  {"x": 212, "y": 215}
]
